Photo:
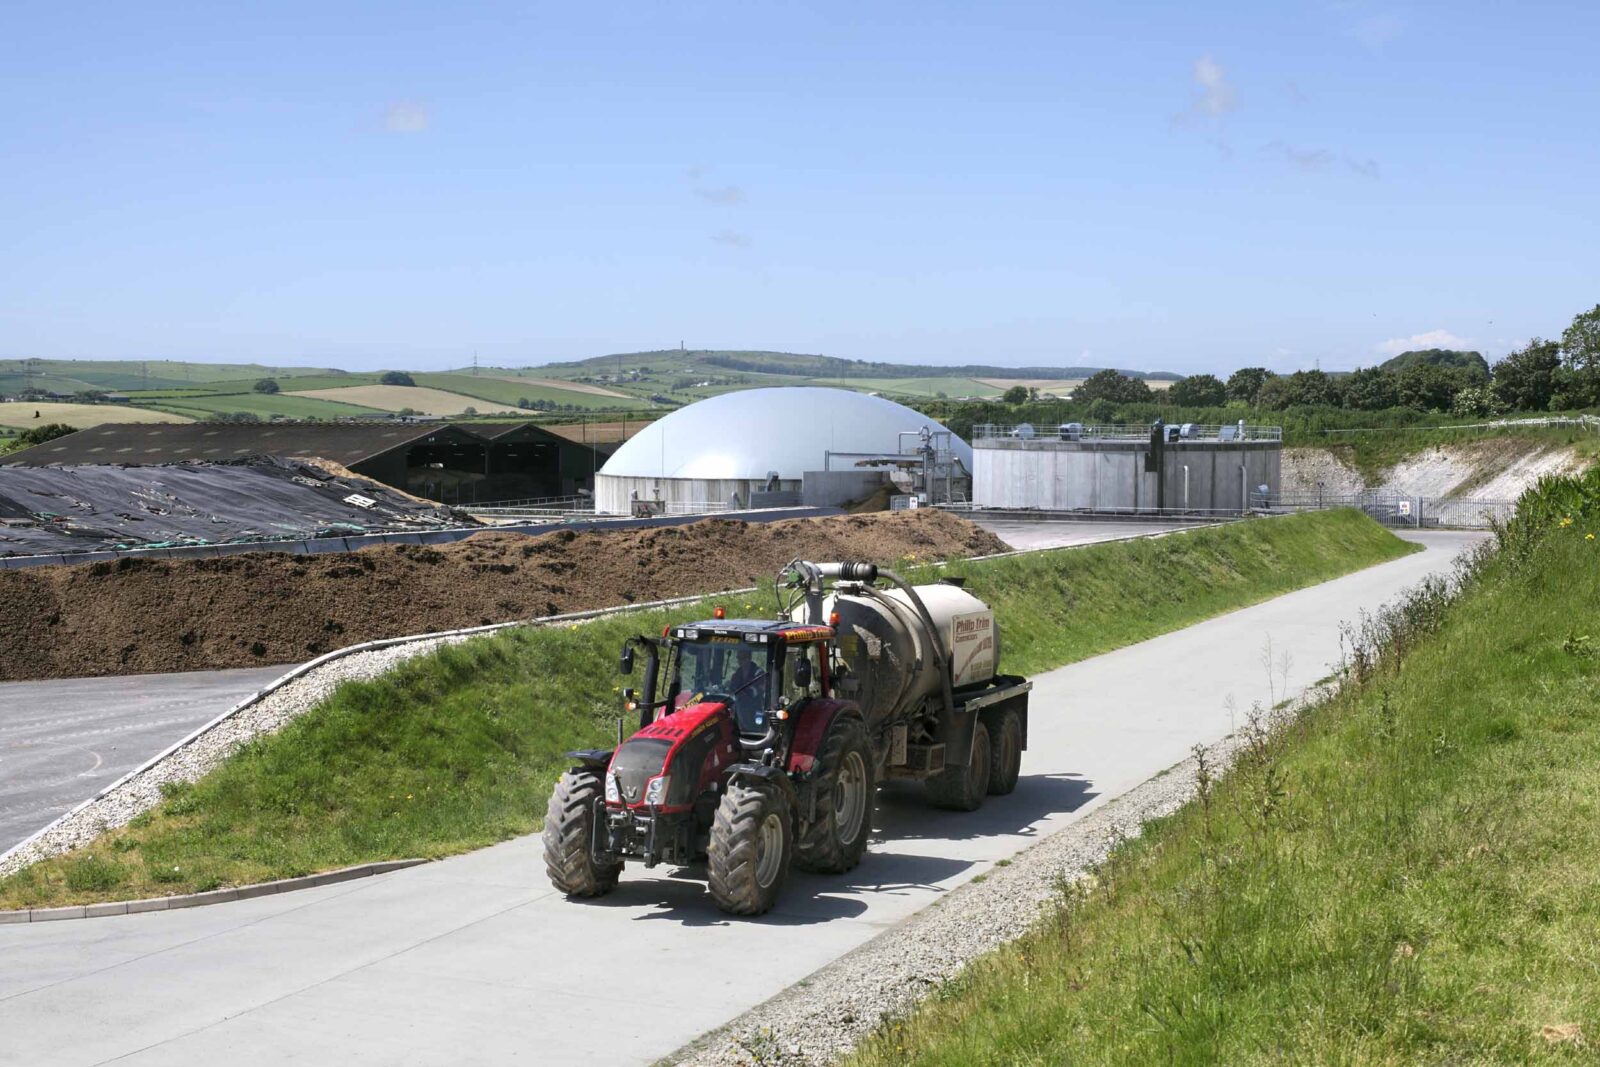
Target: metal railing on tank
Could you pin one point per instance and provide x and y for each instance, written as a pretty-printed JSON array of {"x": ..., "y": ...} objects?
[{"x": 1084, "y": 431}]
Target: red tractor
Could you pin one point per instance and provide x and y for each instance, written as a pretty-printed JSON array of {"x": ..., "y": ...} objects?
[{"x": 762, "y": 743}]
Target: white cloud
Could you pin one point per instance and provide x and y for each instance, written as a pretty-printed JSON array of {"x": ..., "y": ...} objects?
[
  {"x": 1304, "y": 158},
  {"x": 1432, "y": 339},
  {"x": 1217, "y": 96},
  {"x": 731, "y": 238},
  {"x": 1375, "y": 31},
  {"x": 406, "y": 116},
  {"x": 727, "y": 195}
]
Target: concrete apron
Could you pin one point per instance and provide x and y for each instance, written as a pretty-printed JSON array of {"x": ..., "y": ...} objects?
[{"x": 476, "y": 959}]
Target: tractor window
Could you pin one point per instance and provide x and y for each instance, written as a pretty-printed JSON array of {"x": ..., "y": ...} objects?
[
  {"x": 734, "y": 673},
  {"x": 792, "y": 691}
]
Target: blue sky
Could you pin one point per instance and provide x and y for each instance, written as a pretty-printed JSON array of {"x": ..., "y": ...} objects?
[{"x": 1161, "y": 186}]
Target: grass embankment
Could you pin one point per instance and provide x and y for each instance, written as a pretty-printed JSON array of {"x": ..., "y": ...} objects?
[
  {"x": 459, "y": 749},
  {"x": 1408, "y": 873}
]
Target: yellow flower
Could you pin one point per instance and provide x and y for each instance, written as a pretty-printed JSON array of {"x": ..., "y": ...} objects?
[
  {"x": 1566, "y": 522},
  {"x": 1588, "y": 537}
]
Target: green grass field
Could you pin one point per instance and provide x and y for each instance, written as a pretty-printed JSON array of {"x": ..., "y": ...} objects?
[
  {"x": 457, "y": 750},
  {"x": 1409, "y": 873},
  {"x": 71, "y": 375},
  {"x": 263, "y": 404},
  {"x": 504, "y": 392},
  {"x": 918, "y": 387}
]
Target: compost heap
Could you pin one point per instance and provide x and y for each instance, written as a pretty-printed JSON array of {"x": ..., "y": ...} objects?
[{"x": 139, "y": 615}]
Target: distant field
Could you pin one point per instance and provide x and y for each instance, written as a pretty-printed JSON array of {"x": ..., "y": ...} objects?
[
  {"x": 78, "y": 416},
  {"x": 121, "y": 375},
  {"x": 397, "y": 397},
  {"x": 923, "y": 387},
  {"x": 300, "y": 383},
  {"x": 509, "y": 392},
  {"x": 265, "y": 405},
  {"x": 598, "y": 432},
  {"x": 556, "y": 383},
  {"x": 1060, "y": 386}
]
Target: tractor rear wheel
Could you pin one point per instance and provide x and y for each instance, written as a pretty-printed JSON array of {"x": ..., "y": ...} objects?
[
  {"x": 569, "y": 837},
  {"x": 1005, "y": 753},
  {"x": 834, "y": 840},
  {"x": 963, "y": 788},
  {"x": 751, "y": 846}
]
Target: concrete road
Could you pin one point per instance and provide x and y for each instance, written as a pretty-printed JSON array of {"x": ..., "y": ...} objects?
[
  {"x": 1062, "y": 533},
  {"x": 63, "y": 740},
  {"x": 476, "y": 960}
]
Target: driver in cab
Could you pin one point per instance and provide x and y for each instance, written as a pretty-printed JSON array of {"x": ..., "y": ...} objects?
[{"x": 745, "y": 685}]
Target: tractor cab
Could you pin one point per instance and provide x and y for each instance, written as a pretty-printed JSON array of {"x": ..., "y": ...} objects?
[{"x": 759, "y": 669}]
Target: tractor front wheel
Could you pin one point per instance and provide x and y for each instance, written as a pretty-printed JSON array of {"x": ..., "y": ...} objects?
[
  {"x": 833, "y": 841},
  {"x": 751, "y": 846},
  {"x": 569, "y": 837}
]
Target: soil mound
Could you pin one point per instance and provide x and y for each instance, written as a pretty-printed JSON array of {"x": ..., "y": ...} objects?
[{"x": 136, "y": 615}]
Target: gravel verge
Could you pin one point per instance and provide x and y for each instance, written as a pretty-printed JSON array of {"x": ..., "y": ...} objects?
[{"x": 823, "y": 1017}]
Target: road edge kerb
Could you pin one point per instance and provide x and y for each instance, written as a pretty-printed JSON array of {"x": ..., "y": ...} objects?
[
  {"x": 214, "y": 896},
  {"x": 8, "y": 864}
]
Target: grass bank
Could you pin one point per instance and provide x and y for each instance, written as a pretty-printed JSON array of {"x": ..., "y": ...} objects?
[
  {"x": 1408, "y": 873},
  {"x": 458, "y": 749},
  {"x": 1374, "y": 454}
]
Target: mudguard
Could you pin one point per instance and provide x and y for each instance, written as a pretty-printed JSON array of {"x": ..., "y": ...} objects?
[
  {"x": 760, "y": 772},
  {"x": 590, "y": 759},
  {"x": 815, "y": 716}
]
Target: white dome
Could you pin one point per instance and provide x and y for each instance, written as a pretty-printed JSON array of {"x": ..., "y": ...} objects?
[{"x": 753, "y": 432}]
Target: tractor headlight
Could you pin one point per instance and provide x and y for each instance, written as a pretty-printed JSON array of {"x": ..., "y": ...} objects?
[
  {"x": 656, "y": 792},
  {"x": 613, "y": 791}
]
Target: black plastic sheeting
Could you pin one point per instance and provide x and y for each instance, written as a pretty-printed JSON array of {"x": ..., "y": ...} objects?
[{"x": 65, "y": 509}]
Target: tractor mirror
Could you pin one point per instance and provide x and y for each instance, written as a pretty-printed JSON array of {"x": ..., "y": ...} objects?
[
  {"x": 802, "y": 672},
  {"x": 627, "y": 659}
]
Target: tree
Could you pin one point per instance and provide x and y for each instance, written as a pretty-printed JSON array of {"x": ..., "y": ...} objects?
[
  {"x": 1579, "y": 385},
  {"x": 1580, "y": 344},
  {"x": 1473, "y": 363},
  {"x": 1199, "y": 391},
  {"x": 1017, "y": 394},
  {"x": 266, "y": 385},
  {"x": 1370, "y": 389},
  {"x": 1303, "y": 388},
  {"x": 1526, "y": 379},
  {"x": 1113, "y": 386},
  {"x": 40, "y": 434},
  {"x": 1245, "y": 384},
  {"x": 468, "y": 412},
  {"x": 1476, "y": 400},
  {"x": 1430, "y": 387},
  {"x": 396, "y": 377}
]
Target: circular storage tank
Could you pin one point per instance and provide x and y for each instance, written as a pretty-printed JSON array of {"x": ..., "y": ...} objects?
[{"x": 753, "y": 440}]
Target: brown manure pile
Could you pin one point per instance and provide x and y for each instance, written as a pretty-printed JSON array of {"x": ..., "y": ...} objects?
[{"x": 137, "y": 615}]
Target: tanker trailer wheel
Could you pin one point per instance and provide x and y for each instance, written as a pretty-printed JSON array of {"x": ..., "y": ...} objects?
[
  {"x": 1005, "y": 753},
  {"x": 845, "y": 793},
  {"x": 569, "y": 833},
  {"x": 963, "y": 788},
  {"x": 751, "y": 846}
]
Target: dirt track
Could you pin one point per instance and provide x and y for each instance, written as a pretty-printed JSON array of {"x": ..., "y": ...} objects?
[{"x": 136, "y": 616}]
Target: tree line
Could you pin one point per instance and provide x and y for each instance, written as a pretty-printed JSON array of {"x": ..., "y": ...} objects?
[{"x": 1542, "y": 375}]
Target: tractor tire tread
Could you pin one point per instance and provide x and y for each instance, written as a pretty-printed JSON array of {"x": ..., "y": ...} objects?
[
  {"x": 817, "y": 846},
  {"x": 567, "y": 834},
  {"x": 733, "y": 852}
]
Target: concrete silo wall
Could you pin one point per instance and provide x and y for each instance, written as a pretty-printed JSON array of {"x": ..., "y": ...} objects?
[{"x": 1110, "y": 475}]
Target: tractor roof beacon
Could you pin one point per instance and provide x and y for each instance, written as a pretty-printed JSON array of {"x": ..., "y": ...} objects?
[{"x": 761, "y": 743}]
